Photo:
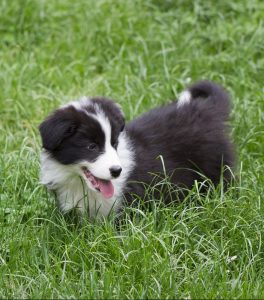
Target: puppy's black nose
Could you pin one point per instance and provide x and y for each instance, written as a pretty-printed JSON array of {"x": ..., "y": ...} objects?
[{"x": 115, "y": 171}]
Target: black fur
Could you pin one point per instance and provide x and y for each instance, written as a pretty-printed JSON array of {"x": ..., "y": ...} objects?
[
  {"x": 192, "y": 139},
  {"x": 115, "y": 116}
]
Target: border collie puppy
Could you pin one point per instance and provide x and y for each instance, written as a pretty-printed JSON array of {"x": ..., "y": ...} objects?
[{"x": 96, "y": 164}]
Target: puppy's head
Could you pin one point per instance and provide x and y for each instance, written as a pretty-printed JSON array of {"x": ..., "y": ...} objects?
[{"x": 84, "y": 136}]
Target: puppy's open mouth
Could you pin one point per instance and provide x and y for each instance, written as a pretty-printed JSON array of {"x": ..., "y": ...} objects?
[{"x": 104, "y": 186}]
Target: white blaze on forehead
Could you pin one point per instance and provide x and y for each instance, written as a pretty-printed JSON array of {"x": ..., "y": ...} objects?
[
  {"x": 184, "y": 98},
  {"x": 79, "y": 104},
  {"x": 100, "y": 168}
]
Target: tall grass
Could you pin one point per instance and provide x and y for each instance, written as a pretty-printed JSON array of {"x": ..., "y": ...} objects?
[{"x": 142, "y": 54}]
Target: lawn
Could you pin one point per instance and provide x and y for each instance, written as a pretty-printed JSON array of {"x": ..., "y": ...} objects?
[{"x": 142, "y": 54}]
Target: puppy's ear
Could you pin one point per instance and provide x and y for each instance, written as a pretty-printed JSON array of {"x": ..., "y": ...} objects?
[{"x": 55, "y": 129}]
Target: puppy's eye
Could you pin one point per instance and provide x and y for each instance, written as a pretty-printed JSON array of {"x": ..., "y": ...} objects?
[{"x": 92, "y": 146}]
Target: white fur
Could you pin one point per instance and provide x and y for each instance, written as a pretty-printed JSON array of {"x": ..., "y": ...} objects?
[
  {"x": 79, "y": 104},
  {"x": 73, "y": 190},
  {"x": 184, "y": 98},
  {"x": 100, "y": 168}
]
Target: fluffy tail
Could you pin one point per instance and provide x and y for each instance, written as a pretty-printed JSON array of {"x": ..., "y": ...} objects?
[{"x": 210, "y": 94}]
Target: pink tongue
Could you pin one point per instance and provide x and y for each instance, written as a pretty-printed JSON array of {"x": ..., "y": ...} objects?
[{"x": 106, "y": 188}]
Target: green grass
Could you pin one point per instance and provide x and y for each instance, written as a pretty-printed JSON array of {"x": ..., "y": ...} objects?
[{"x": 141, "y": 53}]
